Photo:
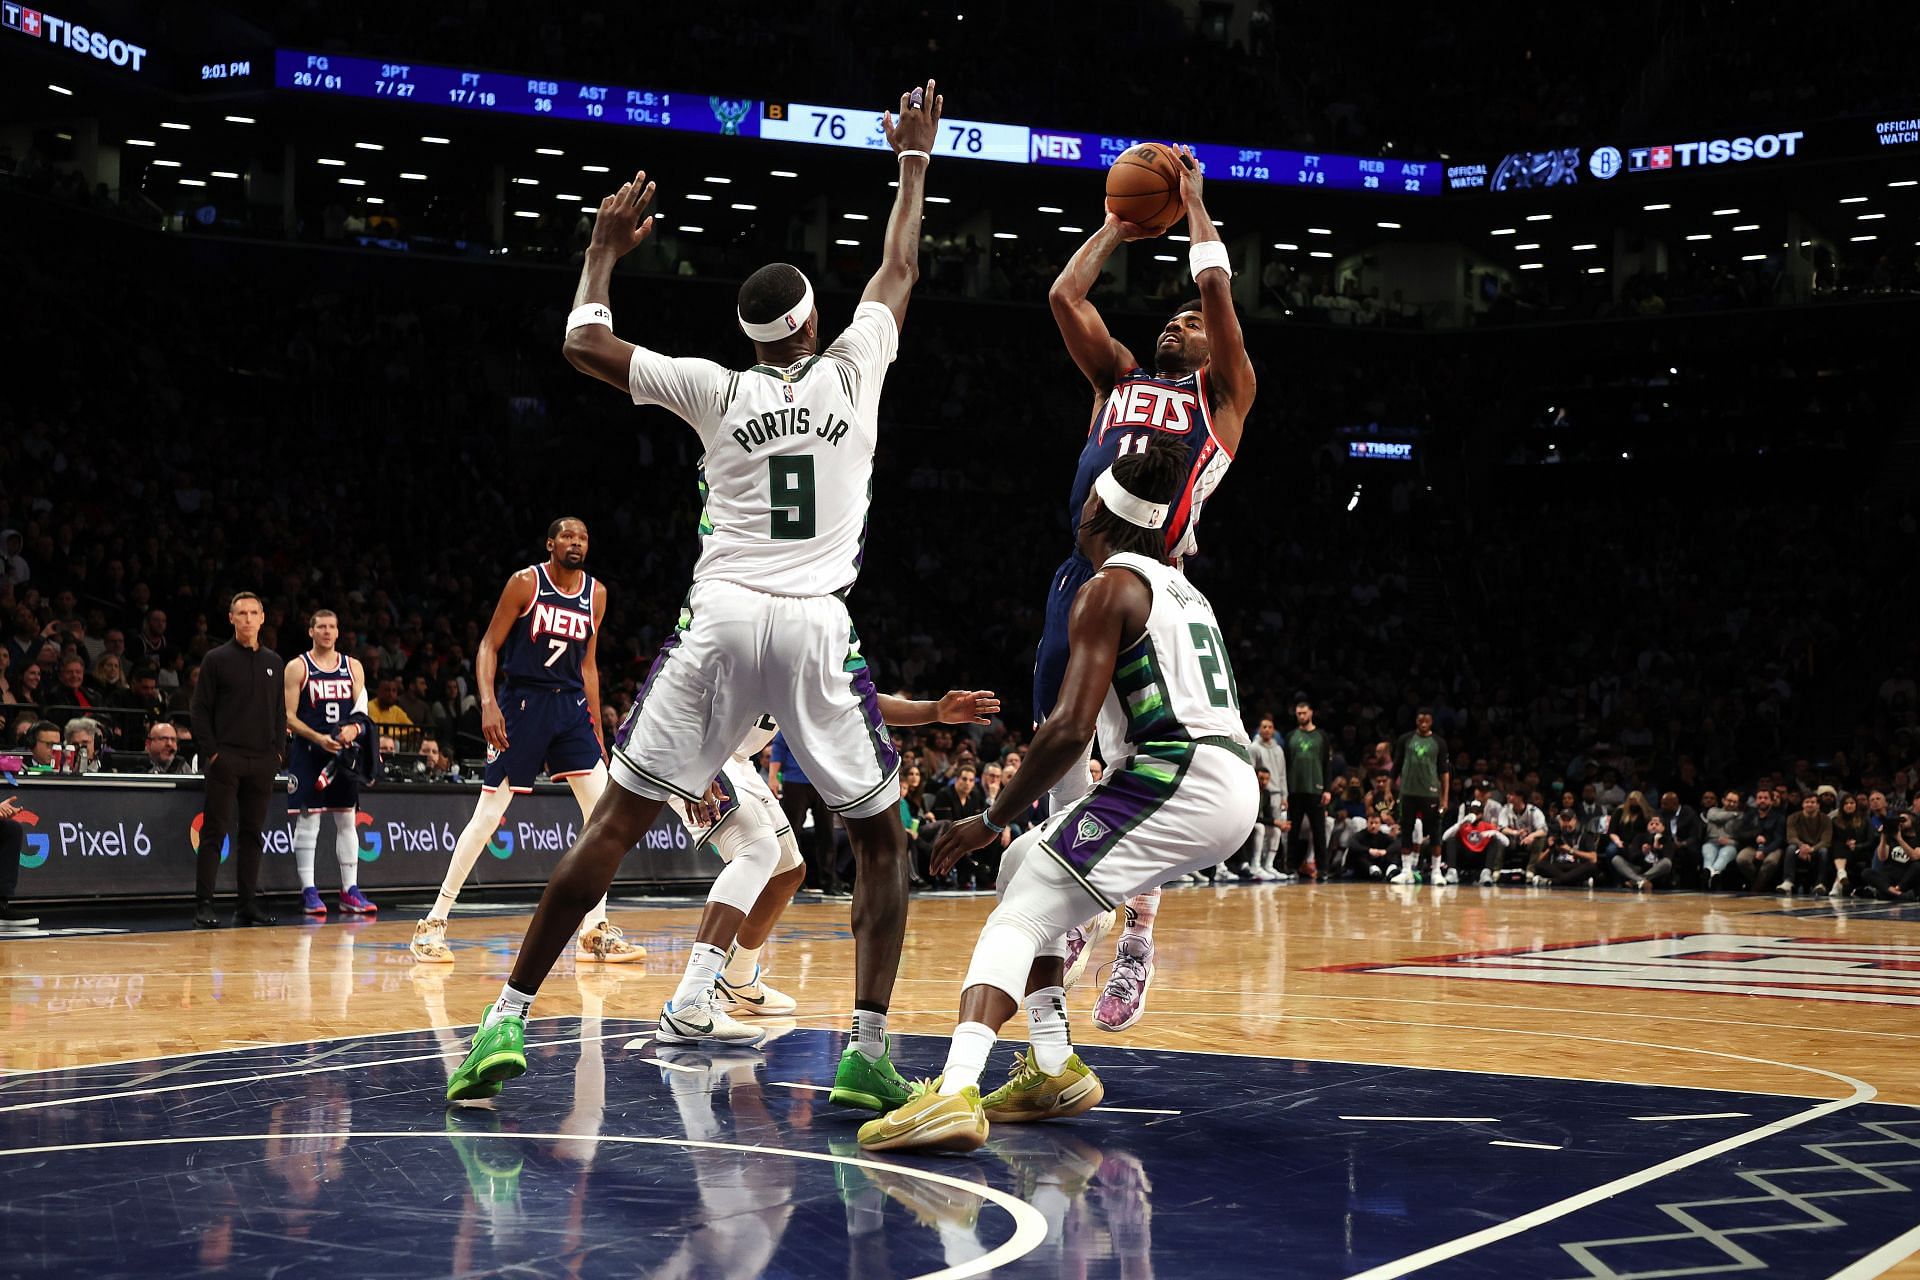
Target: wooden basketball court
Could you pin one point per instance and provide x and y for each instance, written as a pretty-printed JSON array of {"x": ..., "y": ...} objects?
[{"x": 1384, "y": 1081}]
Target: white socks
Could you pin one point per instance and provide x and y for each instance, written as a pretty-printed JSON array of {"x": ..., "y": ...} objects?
[
  {"x": 1047, "y": 1037},
  {"x": 966, "y": 1057},
  {"x": 742, "y": 964},
  {"x": 346, "y": 850},
  {"x": 306, "y": 834},
  {"x": 870, "y": 1032},
  {"x": 703, "y": 966},
  {"x": 511, "y": 1004}
]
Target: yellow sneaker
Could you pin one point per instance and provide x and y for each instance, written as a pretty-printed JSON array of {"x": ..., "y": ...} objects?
[
  {"x": 429, "y": 945},
  {"x": 1032, "y": 1094},
  {"x": 605, "y": 944},
  {"x": 930, "y": 1121}
]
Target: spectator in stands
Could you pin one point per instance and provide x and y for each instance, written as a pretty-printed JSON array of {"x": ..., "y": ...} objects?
[
  {"x": 385, "y": 709},
  {"x": 1759, "y": 861},
  {"x": 27, "y": 689},
  {"x": 959, "y": 800},
  {"x": 1625, "y": 827},
  {"x": 26, "y": 637},
  {"x": 435, "y": 764},
  {"x": 1809, "y": 851},
  {"x": 84, "y": 736},
  {"x": 1525, "y": 828},
  {"x": 154, "y": 646},
  {"x": 457, "y": 712},
  {"x": 143, "y": 691},
  {"x": 13, "y": 838},
  {"x": 1377, "y": 848},
  {"x": 163, "y": 750},
  {"x": 1722, "y": 840},
  {"x": 1852, "y": 847},
  {"x": 108, "y": 686},
  {"x": 46, "y": 746},
  {"x": 1684, "y": 833},
  {"x": 1269, "y": 754},
  {"x": 6, "y": 686},
  {"x": 1647, "y": 861},
  {"x": 1895, "y": 872},
  {"x": 413, "y": 700}
]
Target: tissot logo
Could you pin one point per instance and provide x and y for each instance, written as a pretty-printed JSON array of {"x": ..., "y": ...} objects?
[
  {"x": 37, "y": 23},
  {"x": 1713, "y": 152}
]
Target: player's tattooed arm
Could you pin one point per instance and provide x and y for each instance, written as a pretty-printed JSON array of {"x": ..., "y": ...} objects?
[
  {"x": 1228, "y": 369},
  {"x": 619, "y": 226},
  {"x": 958, "y": 706},
  {"x": 514, "y": 601},
  {"x": 917, "y": 129},
  {"x": 1099, "y": 356}
]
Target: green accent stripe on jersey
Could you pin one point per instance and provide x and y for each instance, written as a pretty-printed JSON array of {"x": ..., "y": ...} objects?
[
  {"x": 781, "y": 374},
  {"x": 706, "y": 520},
  {"x": 1144, "y": 695}
]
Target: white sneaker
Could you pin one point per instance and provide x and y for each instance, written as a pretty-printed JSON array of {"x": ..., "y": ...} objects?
[
  {"x": 1402, "y": 874},
  {"x": 1839, "y": 889},
  {"x": 1375, "y": 873},
  {"x": 754, "y": 997},
  {"x": 1486, "y": 876},
  {"x": 1785, "y": 886},
  {"x": 1281, "y": 877},
  {"x": 704, "y": 1022},
  {"x": 1452, "y": 876}
]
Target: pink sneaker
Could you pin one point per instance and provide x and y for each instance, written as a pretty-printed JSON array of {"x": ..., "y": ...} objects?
[
  {"x": 355, "y": 903},
  {"x": 1125, "y": 998}
]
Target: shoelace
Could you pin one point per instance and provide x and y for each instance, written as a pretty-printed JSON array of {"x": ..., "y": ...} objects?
[
  {"x": 1024, "y": 1071},
  {"x": 1129, "y": 975}
]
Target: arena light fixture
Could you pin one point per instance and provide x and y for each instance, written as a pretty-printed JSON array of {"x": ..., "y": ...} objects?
[
  {"x": 241, "y": 120},
  {"x": 1904, "y": 182},
  {"x": 414, "y": 177},
  {"x": 525, "y": 213},
  {"x": 1073, "y": 231},
  {"x": 1748, "y": 226},
  {"x": 568, "y": 195},
  {"x": 353, "y": 182},
  {"x": 1539, "y": 217},
  {"x": 1319, "y": 231},
  {"x": 1282, "y": 244},
  {"x": 1532, "y": 266},
  {"x": 1582, "y": 248},
  {"x": 718, "y": 182},
  {"x": 850, "y": 244},
  {"x": 435, "y": 138},
  {"x": 1725, "y": 213},
  {"x": 1596, "y": 271},
  {"x": 695, "y": 230},
  {"x": 782, "y": 173},
  {"x": 1006, "y": 235},
  {"x": 701, "y": 196},
  {"x": 375, "y": 200},
  {"x": 368, "y": 146},
  {"x": 1388, "y": 226},
  {"x": 589, "y": 208},
  {"x": 594, "y": 168},
  {"x": 1164, "y": 257},
  {"x": 744, "y": 208},
  {"x": 1505, "y": 231},
  {"x": 856, "y": 217},
  {"x": 1870, "y": 217},
  {"x": 526, "y": 182},
  {"x": 938, "y": 200},
  {"x": 336, "y": 164},
  {"x": 225, "y": 173},
  {"x": 1655, "y": 208},
  {"x": 1047, "y": 208},
  {"x": 192, "y": 182},
  {"x": 175, "y": 124},
  {"x": 1182, "y": 239},
  {"x": 61, "y": 89},
  {"x": 1753, "y": 257},
  {"x": 1319, "y": 253},
  {"x": 1700, "y": 235},
  {"x": 141, "y": 142},
  {"x": 167, "y": 164},
  {"x": 548, "y": 151},
  {"x": 1853, "y": 199},
  {"x": 1523, "y": 248},
  {"x": 1858, "y": 239}
]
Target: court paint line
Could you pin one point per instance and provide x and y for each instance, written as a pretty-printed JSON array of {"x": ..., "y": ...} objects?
[
  {"x": 676, "y": 1066},
  {"x": 638, "y": 1042},
  {"x": 1882, "y": 1259},
  {"x": 1703, "y": 1115},
  {"x": 1431, "y": 1119},
  {"x": 1528, "y": 1146},
  {"x": 273, "y": 1075},
  {"x": 795, "y": 1084},
  {"x": 1140, "y": 1111},
  {"x": 1861, "y": 1092},
  {"x": 1029, "y": 1225}
]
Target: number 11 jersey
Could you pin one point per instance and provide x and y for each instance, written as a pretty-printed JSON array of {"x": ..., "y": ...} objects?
[{"x": 788, "y": 471}]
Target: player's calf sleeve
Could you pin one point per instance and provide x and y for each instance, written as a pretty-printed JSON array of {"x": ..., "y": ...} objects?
[
  {"x": 587, "y": 789},
  {"x": 306, "y": 837},
  {"x": 466, "y": 850},
  {"x": 346, "y": 849},
  {"x": 1004, "y": 955},
  {"x": 740, "y": 882}
]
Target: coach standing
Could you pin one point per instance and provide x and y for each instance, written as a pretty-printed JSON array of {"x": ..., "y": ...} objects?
[{"x": 240, "y": 727}]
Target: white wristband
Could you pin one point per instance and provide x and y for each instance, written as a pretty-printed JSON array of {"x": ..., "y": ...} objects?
[
  {"x": 1208, "y": 253},
  {"x": 902, "y": 155},
  {"x": 589, "y": 313}
]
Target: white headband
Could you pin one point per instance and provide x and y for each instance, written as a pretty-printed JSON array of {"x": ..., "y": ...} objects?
[
  {"x": 1129, "y": 507},
  {"x": 782, "y": 326}
]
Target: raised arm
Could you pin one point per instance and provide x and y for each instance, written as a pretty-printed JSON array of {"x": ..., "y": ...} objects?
[
  {"x": 618, "y": 228},
  {"x": 1094, "y": 350},
  {"x": 916, "y": 131},
  {"x": 514, "y": 601},
  {"x": 1228, "y": 368}
]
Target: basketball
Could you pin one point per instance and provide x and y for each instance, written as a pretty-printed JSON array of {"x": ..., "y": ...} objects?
[{"x": 1143, "y": 187}]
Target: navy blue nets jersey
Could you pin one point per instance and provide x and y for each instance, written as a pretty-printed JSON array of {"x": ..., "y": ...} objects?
[
  {"x": 326, "y": 700},
  {"x": 549, "y": 641},
  {"x": 1140, "y": 404}
]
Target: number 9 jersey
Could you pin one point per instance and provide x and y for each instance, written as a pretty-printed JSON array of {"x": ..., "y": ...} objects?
[{"x": 788, "y": 470}]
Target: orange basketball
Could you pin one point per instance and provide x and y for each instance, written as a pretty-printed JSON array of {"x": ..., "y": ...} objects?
[{"x": 1143, "y": 187}]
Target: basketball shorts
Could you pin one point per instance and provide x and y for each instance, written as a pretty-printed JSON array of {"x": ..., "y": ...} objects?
[
  {"x": 1050, "y": 659},
  {"x": 1173, "y": 808},
  {"x": 305, "y": 762},
  {"x": 748, "y": 813},
  {"x": 548, "y": 728},
  {"x": 737, "y": 655}
]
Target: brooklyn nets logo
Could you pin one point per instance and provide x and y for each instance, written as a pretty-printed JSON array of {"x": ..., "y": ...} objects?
[{"x": 1732, "y": 964}]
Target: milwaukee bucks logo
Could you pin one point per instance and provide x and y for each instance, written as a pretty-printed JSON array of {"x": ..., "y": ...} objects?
[{"x": 730, "y": 112}]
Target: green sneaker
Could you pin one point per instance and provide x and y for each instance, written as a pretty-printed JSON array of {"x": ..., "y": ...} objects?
[
  {"x": 499, "y": 1053},
  {"x": 869, "y": 1083},
  {"x": 1032, "y": 1094}
]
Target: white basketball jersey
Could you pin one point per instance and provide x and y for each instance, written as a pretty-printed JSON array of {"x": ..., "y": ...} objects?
[
  {"x": 788, "y": 470},
  {"x": 1174, "y": 683}
]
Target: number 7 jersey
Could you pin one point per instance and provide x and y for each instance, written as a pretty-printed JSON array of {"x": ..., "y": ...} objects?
[
  {"x": 1174, "y": 682},
  {"x": 548, "y": 642},
  {"x": 788, "y": 470}
]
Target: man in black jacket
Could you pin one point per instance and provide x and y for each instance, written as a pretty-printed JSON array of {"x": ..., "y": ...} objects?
[
  {"x": 1684, "y": 834},
  {"x": 240, "y": 725}
]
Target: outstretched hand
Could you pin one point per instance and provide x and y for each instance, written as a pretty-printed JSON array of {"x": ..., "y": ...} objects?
[
  {"x": 967, "y": 706},
  {"x": 1191, "y": 178},
  {"x": 622, "y": 221},
  {"x": 918, "y": 127},
  {"x": 1130, "y": 230},
  {"x": 957, "y": 841}
]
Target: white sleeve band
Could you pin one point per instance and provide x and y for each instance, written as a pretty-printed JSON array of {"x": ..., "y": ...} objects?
[
  {"x": 909, "y": 151},
  {"x": 589, "y": 313},
  {"x": 1208, "y": 253},
  {"x": 360, "y": 704}
]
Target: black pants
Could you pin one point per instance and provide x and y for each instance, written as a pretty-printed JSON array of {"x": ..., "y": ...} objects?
[
  {"x": 245, "y": 783},
  {"x": 13, "y": 838},
  {"x": 797, "y": 800},
  {"x": 1426, "y": 811},
  {"x": 1309, "y": 818}
]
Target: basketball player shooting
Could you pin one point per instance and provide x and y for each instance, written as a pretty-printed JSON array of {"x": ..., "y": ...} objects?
[
  {"x": 1198, "y": 392},
  {"x": 787, "y": 470}
]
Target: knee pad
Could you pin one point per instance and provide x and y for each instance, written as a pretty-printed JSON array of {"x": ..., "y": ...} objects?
[
  {"x": 790, "y": 858},
  {"x": 741, "y": 881},
  {"x": 589, "y": 787}
]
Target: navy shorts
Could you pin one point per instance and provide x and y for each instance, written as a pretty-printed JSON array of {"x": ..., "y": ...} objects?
[
  {"x": 304, "y": 794},
  {"x": 546, "y": 728},
  {"x": 1050, "y": 659}
]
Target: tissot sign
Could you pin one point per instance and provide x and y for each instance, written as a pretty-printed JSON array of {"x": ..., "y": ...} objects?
[
  {"x": 101, "y": 46},
  {"x": 1571, "y": 166}
]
